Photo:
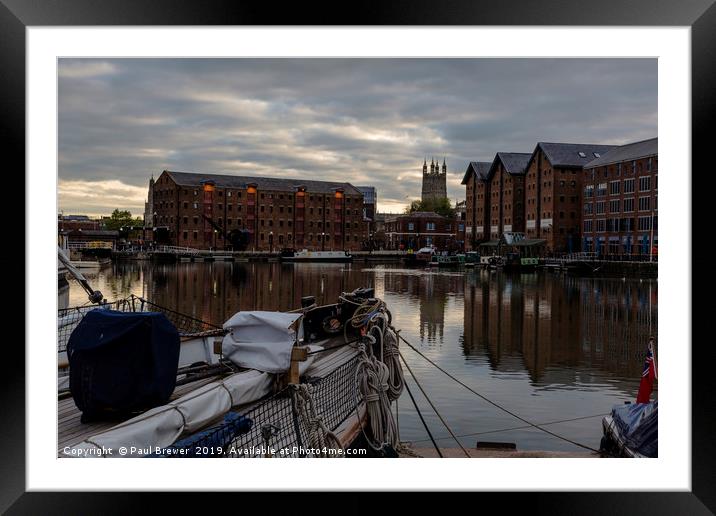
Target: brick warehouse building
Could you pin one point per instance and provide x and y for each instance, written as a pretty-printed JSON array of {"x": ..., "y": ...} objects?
[
  {"x": 620, "y": 211},
  {"x": 553, "y": 188},
  {"x": 506, "y": 189},
  {"x": 476, "y": 202},
  {"x": 420, "y": 229},
  {"x": 206, "y": 211}
]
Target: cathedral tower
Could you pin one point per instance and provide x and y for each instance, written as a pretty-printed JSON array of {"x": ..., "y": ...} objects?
[{"x": 435, "y": 181}]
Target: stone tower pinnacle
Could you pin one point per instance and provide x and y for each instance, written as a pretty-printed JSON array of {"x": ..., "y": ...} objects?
[{"x": 434, "y": 182}]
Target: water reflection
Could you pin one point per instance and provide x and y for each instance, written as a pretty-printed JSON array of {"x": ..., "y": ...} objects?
[
  {"x": 558, "y": 327},
  {"x": 550, "y": 347}
]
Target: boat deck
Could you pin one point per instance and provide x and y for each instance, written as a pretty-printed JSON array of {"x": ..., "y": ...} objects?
[{"x": 71, "y": 431}]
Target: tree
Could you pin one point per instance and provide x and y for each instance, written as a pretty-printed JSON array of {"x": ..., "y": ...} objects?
[
  {"x": 121, "y": 218},
  {"x": 441, "y": 206}
]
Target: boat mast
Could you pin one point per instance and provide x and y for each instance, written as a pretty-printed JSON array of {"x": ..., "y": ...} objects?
[{"x": 95, "y": 296}]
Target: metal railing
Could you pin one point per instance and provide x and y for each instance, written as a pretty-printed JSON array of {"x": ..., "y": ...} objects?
[
  {"x": 90, "y": 245},
  {"x": 172, "y": 249},
  {"x": 599, "y": 257}
]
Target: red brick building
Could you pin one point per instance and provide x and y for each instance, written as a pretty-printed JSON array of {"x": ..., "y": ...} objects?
[
  {"x": 619, "y": 205},
  {"x": 476, "y": 203},
  {"x": 421, "y": 229},
  {"x": 205, "y": 211},
  {"x": 77, "y": 222},
  {"x": 553, "y": 192},
  {"x": 506, "y": 180}
]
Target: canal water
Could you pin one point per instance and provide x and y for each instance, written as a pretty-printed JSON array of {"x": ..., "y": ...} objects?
[{"x": 556, "y": 349}]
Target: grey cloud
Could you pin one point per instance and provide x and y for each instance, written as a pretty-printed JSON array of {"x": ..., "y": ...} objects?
[{"x": 370, "y": 121}]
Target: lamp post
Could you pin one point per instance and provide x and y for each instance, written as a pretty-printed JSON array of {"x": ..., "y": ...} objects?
[
  {"x": 215, "y": 233},
  {"x": 270, "y": 235},
  {"x": 323, "y": 240}
]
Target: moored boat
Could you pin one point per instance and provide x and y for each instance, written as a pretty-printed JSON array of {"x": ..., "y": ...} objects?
[
  {"x": 472, "y": 259},
  {"x": 424, "y": 255},
  {"x": 281, "y": 384},
  {"x": 304, "y": 255},
  {"x": 632, "y": 430},
  {"x": 492, "y": 261},
  {"x": 448, "y": 261},
  {"x": 91, "y": 264}
]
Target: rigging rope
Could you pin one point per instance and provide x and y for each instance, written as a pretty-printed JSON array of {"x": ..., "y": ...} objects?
[{"x": 320, "y": 438}]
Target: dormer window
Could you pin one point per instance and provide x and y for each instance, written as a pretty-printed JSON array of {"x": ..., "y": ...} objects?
[
  {"x": 582, "y": 155},
  {"x": 597, "y": 155}
]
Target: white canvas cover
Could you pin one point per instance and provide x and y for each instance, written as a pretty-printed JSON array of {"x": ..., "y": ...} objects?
[
  {"x": 162, "y": 426},
  {"x": 262, "y": 340}
]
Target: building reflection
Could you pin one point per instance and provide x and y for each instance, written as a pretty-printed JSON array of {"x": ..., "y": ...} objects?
[
  {"x": 430, "y": 291},
  {"x": 215, "y": 291},
  {"x": 559, "y": 327}
]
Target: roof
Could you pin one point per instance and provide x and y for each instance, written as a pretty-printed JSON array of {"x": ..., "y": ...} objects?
[
  {"x": 263, "y": 183},
  {"x": 628, "y": 152},
  {"x": 514, "y": 162},
  {"x": 96, "y": 232},
  {"x": 525, "y": 242},
  {"x": 479, "y": 168},
  {"x": 415, "y": 214},
  {"x": 529, "y": 242},
  {"x": 567, "y": 155}
]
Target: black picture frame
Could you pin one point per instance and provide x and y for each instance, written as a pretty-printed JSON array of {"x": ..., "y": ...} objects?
[{"x": 700, "y": 15}]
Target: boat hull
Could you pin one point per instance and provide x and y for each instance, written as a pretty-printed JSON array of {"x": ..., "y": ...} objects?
[
  {"x": 316, "y": 256},
  {"x": 292, "y": 259}
]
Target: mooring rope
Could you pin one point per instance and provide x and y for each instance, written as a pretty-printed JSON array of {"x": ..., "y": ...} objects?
[
  {"x": 435, "y": 409},
  {"x": 422, "y": 419},
  {"x": 497, "y": 405},
  {"x": 521, "y": 427}
]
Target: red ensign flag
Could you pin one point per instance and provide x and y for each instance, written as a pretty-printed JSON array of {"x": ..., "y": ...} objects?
[{"x": 648, "y": 375}]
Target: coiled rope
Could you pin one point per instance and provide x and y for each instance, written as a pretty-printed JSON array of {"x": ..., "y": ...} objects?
[
  {"x": 372, "y": 383},
  {"x": 379, "y": 377},
  {"x": 320, "y": 438}
]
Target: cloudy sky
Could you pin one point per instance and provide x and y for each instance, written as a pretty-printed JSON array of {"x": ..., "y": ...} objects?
[{"x": 366, "y": 121}]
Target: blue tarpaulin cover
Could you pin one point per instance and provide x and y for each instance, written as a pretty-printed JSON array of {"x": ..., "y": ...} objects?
[
  {"x": 637, "y": 423},
  {"x": 122, "y": 362},
  {"x": 210, "y": 442}
]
